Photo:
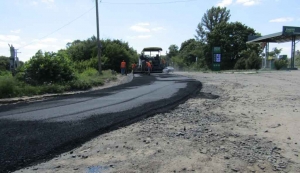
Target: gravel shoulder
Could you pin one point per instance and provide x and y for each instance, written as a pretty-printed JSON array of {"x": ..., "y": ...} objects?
[{"x": 237, "y": 123}]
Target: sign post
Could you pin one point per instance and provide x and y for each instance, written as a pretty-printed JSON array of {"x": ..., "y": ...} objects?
[
  {"x": 216, "y": 58},
  {"x": 293, "y": 32}
]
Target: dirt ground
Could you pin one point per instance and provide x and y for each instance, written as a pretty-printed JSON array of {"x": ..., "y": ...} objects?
[{"x": 237, "y": 123}]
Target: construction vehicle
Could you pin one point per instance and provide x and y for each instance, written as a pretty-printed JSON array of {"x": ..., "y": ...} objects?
[{"x": 152, "y": 55}]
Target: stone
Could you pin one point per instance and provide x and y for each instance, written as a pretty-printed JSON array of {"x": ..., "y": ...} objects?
[
  {"x": 226, "y": 157},
  {"x": 262, "y": 167}
]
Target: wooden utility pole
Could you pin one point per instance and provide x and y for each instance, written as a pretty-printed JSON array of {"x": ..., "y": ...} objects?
[{"x": 98, "y": 40}]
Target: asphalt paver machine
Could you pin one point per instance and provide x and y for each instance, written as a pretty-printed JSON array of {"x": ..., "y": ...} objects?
[{"x": 152, "y": 55}]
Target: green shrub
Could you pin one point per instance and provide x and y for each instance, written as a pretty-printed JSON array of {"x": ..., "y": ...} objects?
[
  {"x": 240, "y": 64},
  {"x": 79, "y": 85},
  {"x": 48, "y": 68},
  {"x": 279, "y": 64},
  {"x": 89, "y": 72},
  {"x": 7, "y": 86},
  {"x": 5, "y": 73},
  {"x": 53, "y": 88},
  {"x": 253, "y": 61}
]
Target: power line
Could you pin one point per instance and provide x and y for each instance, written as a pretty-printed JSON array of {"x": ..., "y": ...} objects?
[
  {"x": 60, "y": 27},
  {"x": 146, "y": 3}
]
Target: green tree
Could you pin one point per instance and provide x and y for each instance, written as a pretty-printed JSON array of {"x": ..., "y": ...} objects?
[
  {"x": 173, "y": 50},
  {"x": 210, "y": 20},
  {"x": 189, "y": 50},
  {"x": 276, "y": 52},
  {"x": 232, "y": 38},
  {"x": 84, "y": 54},
  {"x": 4, "y": 63},
  {"x": 48, "y": 68}
]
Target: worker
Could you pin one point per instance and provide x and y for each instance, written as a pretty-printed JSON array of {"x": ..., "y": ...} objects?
[
  {"x": 133, "y": 66},
  {"x": 123, "y": 67},
  {"x": 148, "y": 67}
]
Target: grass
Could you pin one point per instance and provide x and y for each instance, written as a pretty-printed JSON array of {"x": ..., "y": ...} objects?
[{"x": 11, "y": 87}]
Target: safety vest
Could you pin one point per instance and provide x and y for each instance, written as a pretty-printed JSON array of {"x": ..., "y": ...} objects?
[{"x": 148, "y": 64}]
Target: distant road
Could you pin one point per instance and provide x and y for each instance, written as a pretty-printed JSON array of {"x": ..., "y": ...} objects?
[{"x": 33, "y": 132}]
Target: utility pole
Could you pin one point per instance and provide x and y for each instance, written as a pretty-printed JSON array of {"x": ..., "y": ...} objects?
[
  {"x": 98, "y": 40},
  {"x": 17, "y": 58}
]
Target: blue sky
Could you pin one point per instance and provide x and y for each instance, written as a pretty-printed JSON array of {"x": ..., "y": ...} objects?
[{"x": 28, "y": 24}]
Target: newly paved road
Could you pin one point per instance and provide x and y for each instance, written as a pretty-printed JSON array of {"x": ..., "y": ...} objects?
[{"x": 33, "y": 132}]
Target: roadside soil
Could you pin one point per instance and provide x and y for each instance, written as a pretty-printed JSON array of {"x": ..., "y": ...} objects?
[
  {"x": 107, "y": 84},
  {"x": 237, "y": 123}
]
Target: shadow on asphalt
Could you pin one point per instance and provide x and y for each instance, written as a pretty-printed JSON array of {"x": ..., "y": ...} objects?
[{"x": 25, "y": 143}]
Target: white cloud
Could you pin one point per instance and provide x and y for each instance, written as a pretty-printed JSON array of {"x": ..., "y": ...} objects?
[
  {"x": 144, "y": 36},
  {"x": 158, "y": 29},
  {"x": 34, "y": 3},
  {"x": 47, "y": 1},
  {"x": 36, "y": 46},
  {"x": 248, "y": 2},
  {"x": 224, "y": 3},
  {"x": 3, "y": 44},
  {"x": 68, "y": 40},
  {"x": 139, "y": 28},
  {"x": 282, "y": 19},
  {"x": 9, "y": 37},
  {"x": 17, "y": 31},
  {"x": 49, "y": 40},
  {"x": 143, "y": 24},
  {"x": 140, "y": 37}
]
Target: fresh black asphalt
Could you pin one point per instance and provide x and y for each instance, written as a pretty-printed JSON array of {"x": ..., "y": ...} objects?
[{"x": 38, "y": 131}]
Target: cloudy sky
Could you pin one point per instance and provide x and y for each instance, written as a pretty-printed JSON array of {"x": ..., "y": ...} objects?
[{"x": 31, "y": 25}]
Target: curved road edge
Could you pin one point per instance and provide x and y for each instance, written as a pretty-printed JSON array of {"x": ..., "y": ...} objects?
[{"x": 91, "y": 128}]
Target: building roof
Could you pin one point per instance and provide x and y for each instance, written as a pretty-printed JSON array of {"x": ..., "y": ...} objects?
[
  {"x": 277, "y": 37},
  {"x": 152, "y": 49}
]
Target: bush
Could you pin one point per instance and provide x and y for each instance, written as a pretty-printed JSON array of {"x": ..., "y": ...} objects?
[
  {"x": 81, "y": 66},
  {"x": 253, "y": 61},
  {"x": 279, "y": 64},
  {"x": 48, "y": 68},
  {"x": 7, "y": 86},
  {"x": 240, "y": 64}
]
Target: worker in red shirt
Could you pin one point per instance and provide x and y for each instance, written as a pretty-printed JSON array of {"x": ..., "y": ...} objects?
[
  {"x": 123, "y": 67},
  {"x": 133, "y": 66},
  {"x": 148, "y": 67}
]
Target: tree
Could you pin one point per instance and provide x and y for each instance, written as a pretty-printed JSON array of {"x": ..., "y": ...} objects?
[
  {"x": 232, "y": 38},
  {"x": 210, "y": 20},
  {"x": 48, "y": 68},
  {"x": 173, "y": 50},
  {"x": 4, "y": 63},
  {"x": 84, "y": 53},
  {"x": 277, "y": 52},
  {"x": 188, "y": 50}
]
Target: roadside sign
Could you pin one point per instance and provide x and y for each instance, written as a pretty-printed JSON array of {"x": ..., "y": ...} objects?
[
  {"x": 290, "y": 30},
  {"x": 216, "y": 58}
]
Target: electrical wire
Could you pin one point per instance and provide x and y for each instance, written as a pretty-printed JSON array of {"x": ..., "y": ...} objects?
[
  {"x": 112, "y": 3},
  {"x": 146, "y": 3},
  {"x": 59, "y": 28}
]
